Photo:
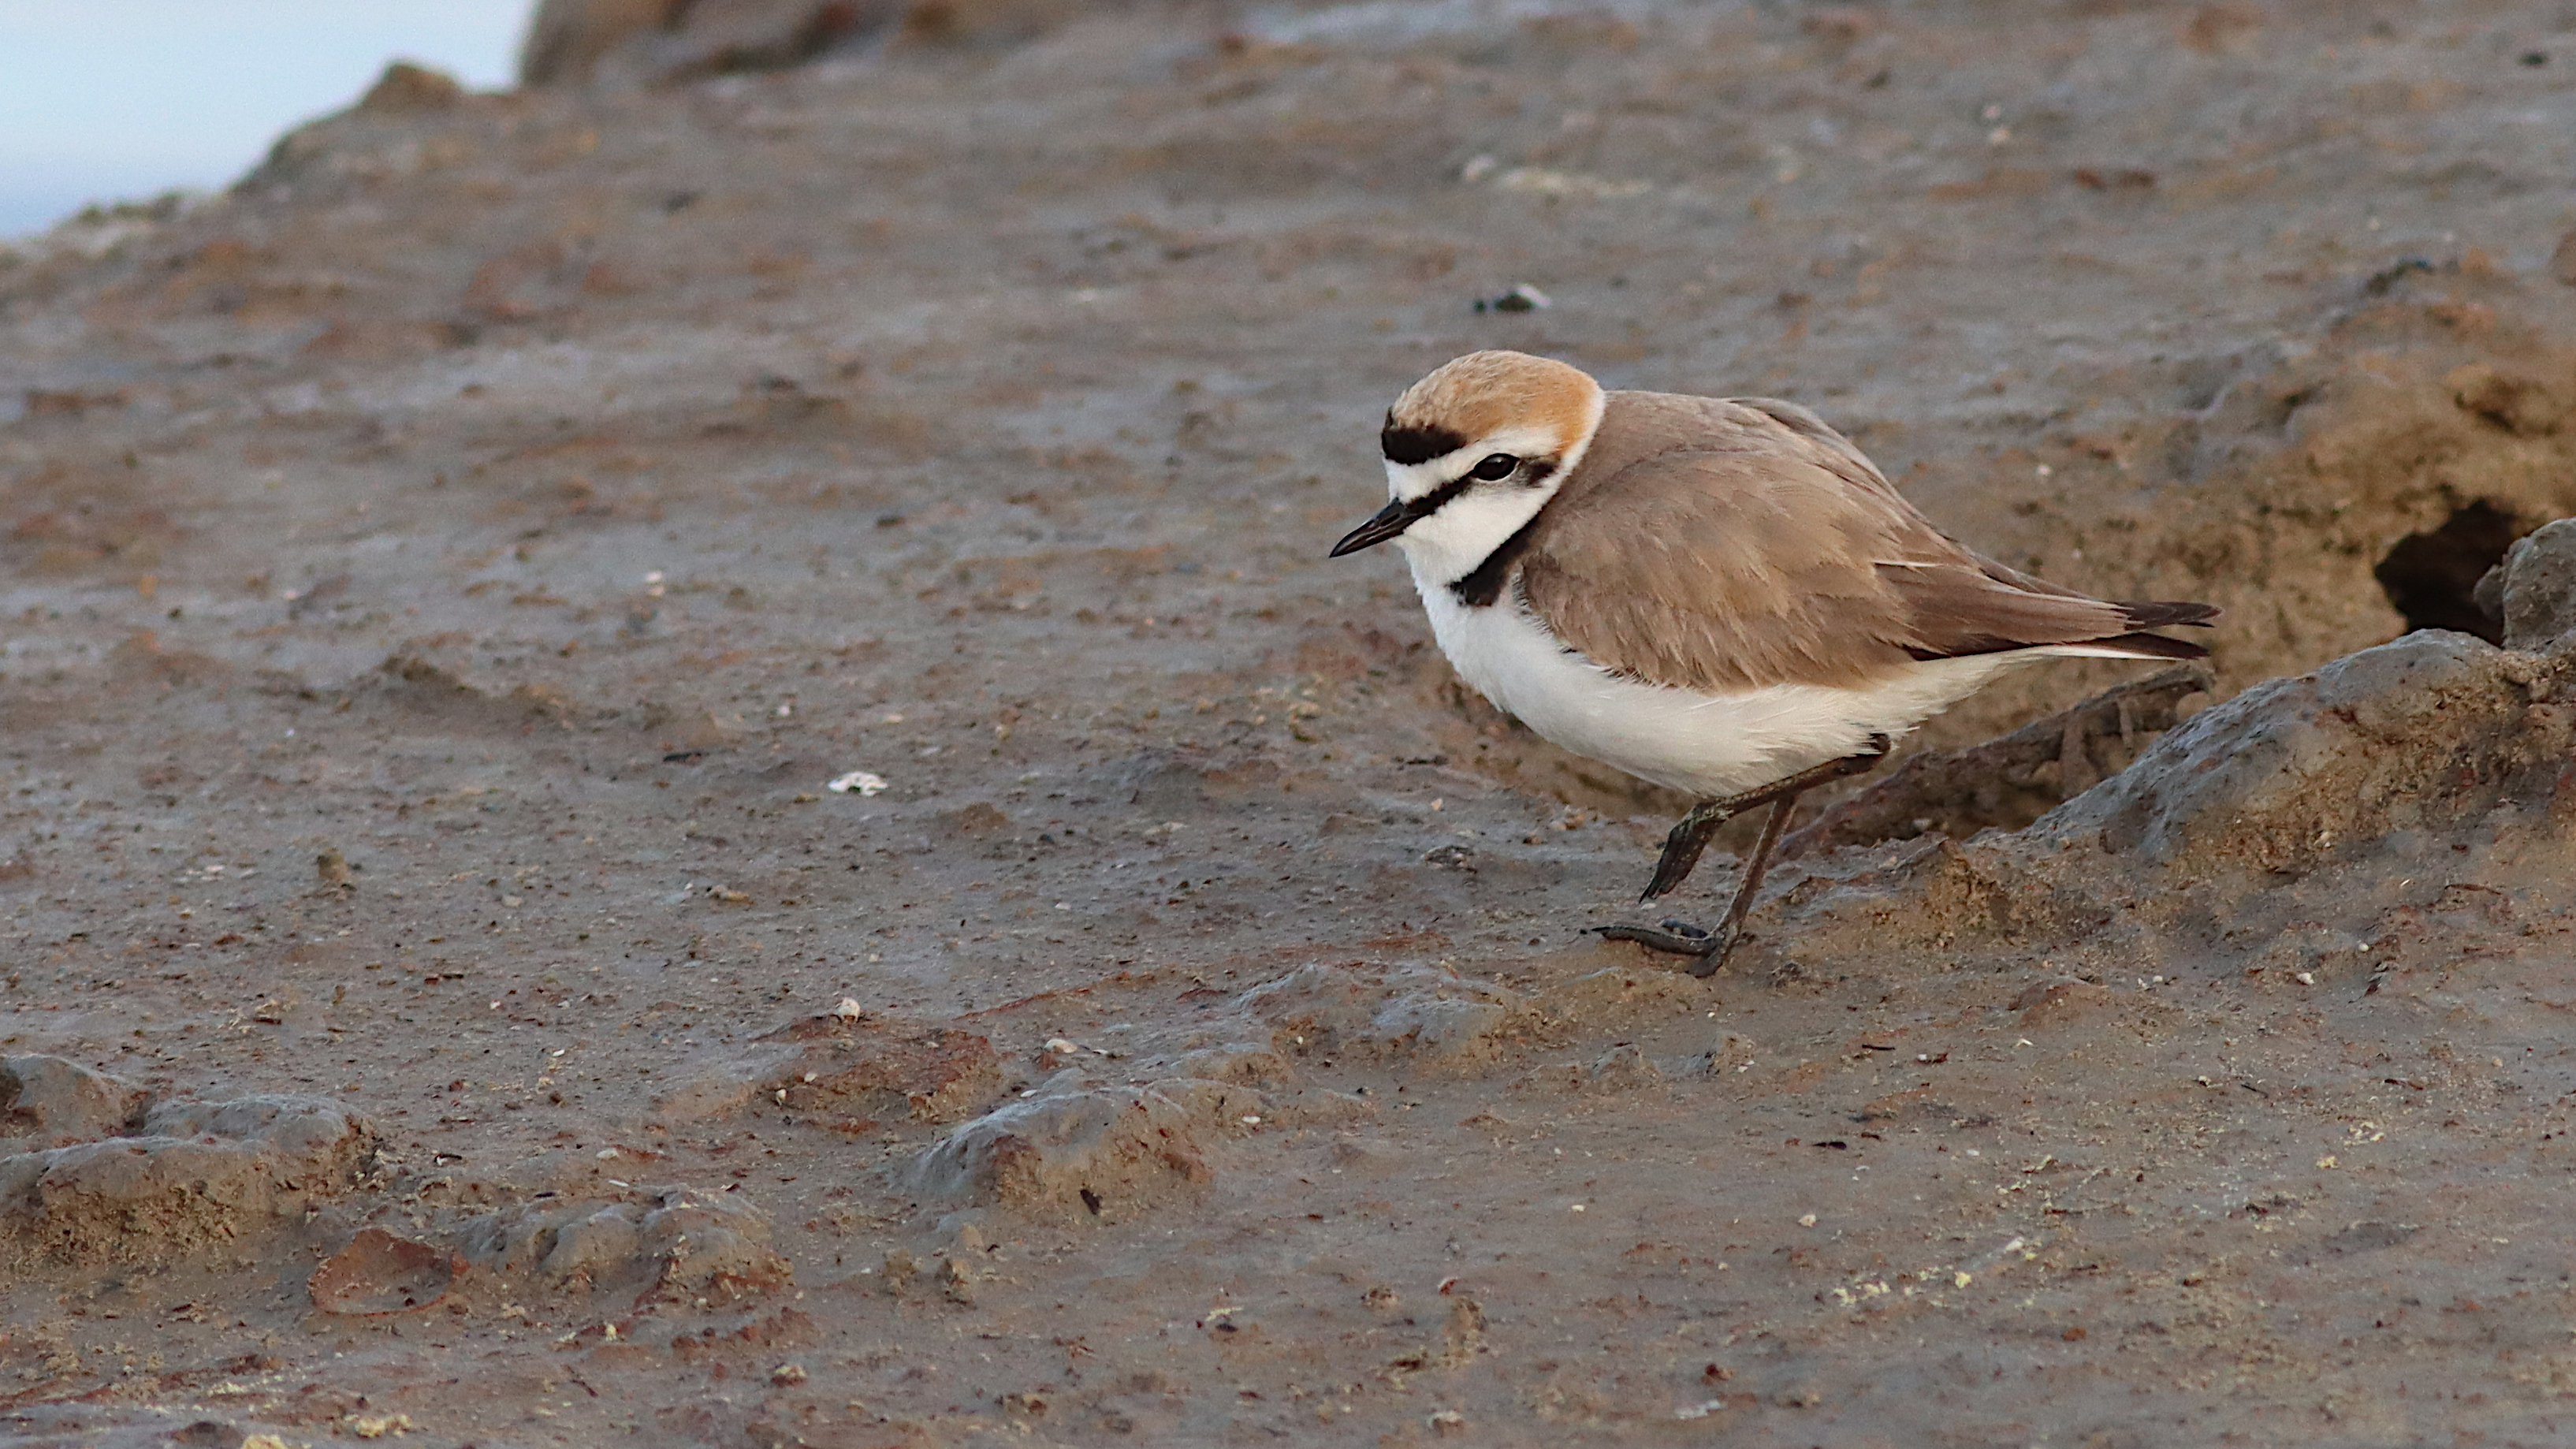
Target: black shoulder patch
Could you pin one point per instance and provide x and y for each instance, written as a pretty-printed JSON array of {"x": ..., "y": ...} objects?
[{"x": 1416, "y": 445}]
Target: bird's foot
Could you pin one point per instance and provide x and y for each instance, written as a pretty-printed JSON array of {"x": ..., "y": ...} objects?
[{"x": 1709, "y": 949}]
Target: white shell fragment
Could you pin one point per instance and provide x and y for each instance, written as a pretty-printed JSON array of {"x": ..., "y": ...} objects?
[{"x": 859, "y": 780}]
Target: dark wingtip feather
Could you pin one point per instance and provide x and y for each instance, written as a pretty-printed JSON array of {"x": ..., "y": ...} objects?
[
  {"x": 2158, "y": 614},
  {"x": 2153, "y": 646}
]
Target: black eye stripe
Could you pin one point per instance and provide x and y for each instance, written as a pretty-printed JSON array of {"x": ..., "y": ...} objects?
[
  {"x": 1432, "y": 502},
  {"x": 1538, "y": 471}
]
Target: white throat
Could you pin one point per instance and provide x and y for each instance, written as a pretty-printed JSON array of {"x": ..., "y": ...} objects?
[{"x": 1448, "y": 546}]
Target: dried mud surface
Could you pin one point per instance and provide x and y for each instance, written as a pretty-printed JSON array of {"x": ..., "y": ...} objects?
[{"x": 445, "y": 996}]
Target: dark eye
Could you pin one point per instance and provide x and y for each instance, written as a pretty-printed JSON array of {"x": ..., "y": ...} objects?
[{"x": 1495, "y": 468}]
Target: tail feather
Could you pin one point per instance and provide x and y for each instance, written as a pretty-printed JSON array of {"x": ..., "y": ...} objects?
[
  {"x": 2158, "y": 614},
  {"x": 2127, "y": 646}
]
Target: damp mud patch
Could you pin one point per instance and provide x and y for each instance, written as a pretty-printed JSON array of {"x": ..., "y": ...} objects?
[
  {"x": 1075, "y": 1147},
  {"x": 430, "y": 692},
  {"x": 848, "y": 1073}
]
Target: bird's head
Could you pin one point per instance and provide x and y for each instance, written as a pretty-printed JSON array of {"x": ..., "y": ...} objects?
[{"x": 1473, "y": 451}]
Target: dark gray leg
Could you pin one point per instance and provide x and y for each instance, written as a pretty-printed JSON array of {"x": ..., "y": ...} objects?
[
  {"x": 1708, "y": 949},
  {"x": 1691, "y": 835}
]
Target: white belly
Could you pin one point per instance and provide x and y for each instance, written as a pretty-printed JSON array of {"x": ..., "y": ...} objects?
[{"x": 1706, "y": 744}]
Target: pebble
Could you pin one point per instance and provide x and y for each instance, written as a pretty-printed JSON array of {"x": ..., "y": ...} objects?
[{"x": 1522, "y": 297}]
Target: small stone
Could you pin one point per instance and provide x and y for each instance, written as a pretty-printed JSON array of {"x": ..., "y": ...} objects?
[
  {"x": 1070, "y": 1144},
  {"x": 1369, "y": 1156},
  {"x": 786, "y": 1374},
  {"x": 1462, "y": 1337},
  {"x": 408, "y": 89},
  {"x": 1522, "y": 297},
  {"x": 55, "y": 1101},
  {"x": 1624, "y": 1066},
  {"x": 865, "y": 782},
  {"x": 2533, "y": 591},
  {"x": 332, "y": 867}
]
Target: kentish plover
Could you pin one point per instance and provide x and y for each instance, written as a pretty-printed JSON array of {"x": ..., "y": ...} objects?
[{"x": 1720, "y": 595}]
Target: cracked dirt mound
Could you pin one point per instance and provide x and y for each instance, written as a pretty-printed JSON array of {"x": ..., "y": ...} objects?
[{"x": 187, "y": 1178}]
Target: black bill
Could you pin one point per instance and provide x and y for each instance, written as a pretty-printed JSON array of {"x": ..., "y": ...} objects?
[{"x": 1391, "y": 520}]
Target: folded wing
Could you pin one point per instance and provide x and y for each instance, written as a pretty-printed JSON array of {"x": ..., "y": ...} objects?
[{"x": 1770, "y": 551}]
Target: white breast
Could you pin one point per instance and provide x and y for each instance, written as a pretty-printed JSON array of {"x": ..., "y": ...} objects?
[{"x": 1706, "y": 744}]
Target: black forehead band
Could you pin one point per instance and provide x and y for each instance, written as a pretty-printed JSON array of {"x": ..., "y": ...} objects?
[{"x": 1417, "y": 445}]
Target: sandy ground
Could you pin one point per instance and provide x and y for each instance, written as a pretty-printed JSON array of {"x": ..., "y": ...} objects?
[{"x": 442, "y": 995}]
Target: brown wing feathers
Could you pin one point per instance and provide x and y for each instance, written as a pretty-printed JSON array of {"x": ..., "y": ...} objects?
[
  {"x": 1688, "y": 575},
  {"x": 1958, "y": 611},
  {"x": 1764, "y": 549}
]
